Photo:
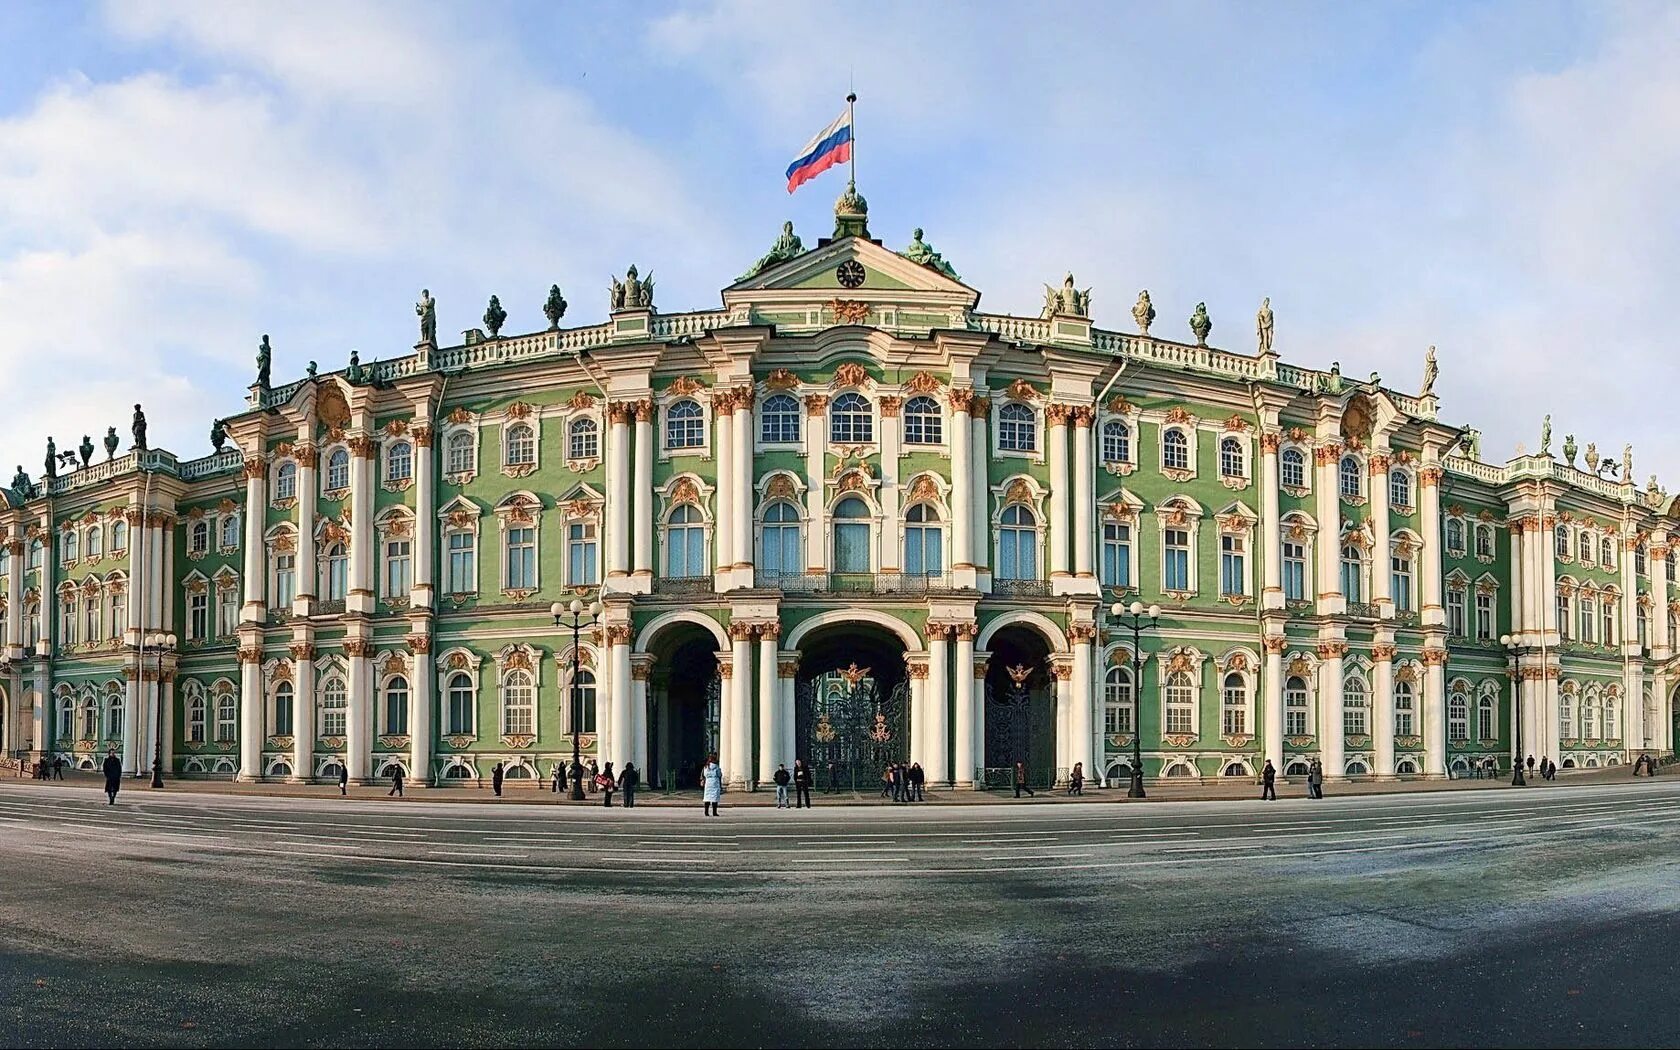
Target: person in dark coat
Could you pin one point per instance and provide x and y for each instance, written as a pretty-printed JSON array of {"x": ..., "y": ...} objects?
[
  {"x": 781, "y": 780},
  {"x": 918, "y": 782},
  {"x": 559, "y": 775},
  {"x": 496, "y": 776},
  {"x": 113, "y": 776},
  {"x": 608, "y": 783},
  {"x": 1076, "y": 779},
  {"x": 1268, "y": 782},
  {"x": 396, "y": 782},
  {"x": 801, "y": 784},
  {"x": 1315, "y": 779},
  {"x": 627, "y": 782},
  {"x": 58, "y": 767},
  {"x": 1021, "y": 780},
  {"x": 343, "y": 779}
]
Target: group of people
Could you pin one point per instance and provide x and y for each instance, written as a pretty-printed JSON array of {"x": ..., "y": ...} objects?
[
  {"x": 48, "y": 768},
  {"x": 800, "y": 778},
  {"x": 1645, "y": 764},
  {"x": 1548, "y": 768},
  {"x": 904, "y": 783},
  {"x": 1268, "y": 781}
]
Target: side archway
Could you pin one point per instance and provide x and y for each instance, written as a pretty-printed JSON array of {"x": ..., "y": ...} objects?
[
  {"x": 912, "y": 641},
  {"x": 1054, "y": 636}
]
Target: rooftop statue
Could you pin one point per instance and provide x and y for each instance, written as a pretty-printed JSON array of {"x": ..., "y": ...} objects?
[
  {"x": 1546, "y": 435},
  {"x": 1472, "y": 441},
  {"x": 1431, "y": 372},
  {"x": 922, "y": 252},
  {"x": 138, "y": 429},
  {"x": 1627, "y": 464},
  {"x": 786, "y": 247},
  {"x": 52, "y": 459},
  {"x": 632, "y": 293},
  {"x": 1143, "y": 312},
  {"x": 1201, "y": 324},
  {"x": 1263, "y": 325},
  {"x": 426, "y": 310},
  {"x": 1569, "y": 449},
  {"x": 265, "y": 358},
  {"x": 85, "y": 449},
  {"x": 20, "y": 482},
  {"x": 1592, "y": 457},
  {"x": 111, "y": 443},
  {"x": 495, "y": 317},
  {"x": 1068, "y": 300},
  {"x": 555, "y": 308},
  {"x": 218, "y": 434}
]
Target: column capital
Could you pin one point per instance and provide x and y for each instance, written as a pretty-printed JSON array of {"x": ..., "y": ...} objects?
[
  {"x": 787, "y": 667},
  {"x": 816, "y": 404},
  {"x": 621, "y": 411},
  {"x": 890, "y": 406},
  {"x": 1056, "y": 413},
  {"x": 644, "y": 410},
  {"x": 966, "y": 630},
  {"x": 1383, "y": 651},
  {"x": 1082, "y": 415},
  {"x": 1332, "y": 650},
  {"x": 1270, "y": 442},
  {"x": 960, "y": 401},
  {"x": 1434, "y": 657},
  {"x": 302, "y": 651},
  {"x": 1429, "y": 477},
  {"x": 1081, "y": 633},
  {"x": 256, "y": 466},
  {"x": 618, "y": 634}
]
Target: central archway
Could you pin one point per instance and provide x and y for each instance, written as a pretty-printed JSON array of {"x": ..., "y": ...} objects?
[
  {"x": 685, "y": 693},
  {"x": 851, "y": 704},
  {"x": 1020, "y": 708}
]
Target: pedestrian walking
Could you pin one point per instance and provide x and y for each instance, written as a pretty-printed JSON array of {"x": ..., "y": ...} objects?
[
  {"x": 1315, "y": 779},
  {"x": 343, "y": 780},
  {"x": 1531, "y": 767},
  {"x": 496, "y": 776},
  {"x": 607, "y": 782},
  {"x": 1076, "y": 779},
  {"x": 627, "y": 782},
  {"x": 886, "y": 780},
  {"x": 782, "y": 780},
  {"x": 918, "y": 782},
  {"x": 594, "y": 778},
  {"x": 58, "y": 765},
  {"x": 711, "y": 786},
  {"x": 801, "y": 784},
  {"x": 113, "y": 777},
  {"x": 559, "y": 775},
  {"x": 396, "y": 781},
  {"x": 1268, "y": 782},
  {"x": 1021, "y": 780}
]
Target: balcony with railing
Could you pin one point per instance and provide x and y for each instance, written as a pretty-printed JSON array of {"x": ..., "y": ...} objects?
[
  {"x": 850, "y": 583},
  {"x": 684, "y": 585},
  {"x": 1021, "y": 588}
]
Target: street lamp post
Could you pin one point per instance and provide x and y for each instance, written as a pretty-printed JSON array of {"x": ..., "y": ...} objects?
[
  {"x": 166, "y": 643},
  {"x": 1136, "y": 614},
  {"x": 576, "y": 611},
  {"x": 1516, "y": 715}
]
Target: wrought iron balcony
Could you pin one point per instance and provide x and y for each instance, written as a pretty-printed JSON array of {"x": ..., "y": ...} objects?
[
  {"x": 1362, "y": 610},
  {"x": 1021, "y": 588},
  {"x": 329, "y": 607},
  {"x": 889, "y": 583},
  {"x": 684, "y": 585}
]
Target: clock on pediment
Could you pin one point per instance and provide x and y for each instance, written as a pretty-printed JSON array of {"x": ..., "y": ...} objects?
[{"x": 850, "y": 273}]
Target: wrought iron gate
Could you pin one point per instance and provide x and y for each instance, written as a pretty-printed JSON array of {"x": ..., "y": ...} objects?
[
  {"x": 712, "y": 713},
  {"x": 848, "y": 732},
  {"x": 1014, "y": 734}
]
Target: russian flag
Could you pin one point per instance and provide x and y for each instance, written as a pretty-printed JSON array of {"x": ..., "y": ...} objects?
[{"x": 832, "y": 145}]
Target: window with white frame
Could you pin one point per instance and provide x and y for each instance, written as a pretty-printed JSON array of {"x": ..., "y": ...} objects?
[
  {"x": 1353, "y": 573},
  {"x": 230, "y": 531},
  {"x": 1400, "y": 489},
  {"x": 519, "y": 446},
  {"x": 1400, "y": 580},
  {"x": 1231, "y": 458},
  {"x": 1589, "y": 718},
  {"x": 1405, "y": 710},
  {"x": 338, "y": 470},
  {"x": 851, "y": 419},
  {"x": 519, "y": 703},
  {"x": 779, "y": 417},
  {"x": 853, "y": 529},
  {"x": 1292, "y": 467},
  {"x": 1180, "y": 703},
  {"x": 1455, "y": 536},
  {"x": 35, "y": 549},
  {"x": 1295, "y": 706},
  {"x": 1116, "y": 442},
  {"x": 396, "y": 705},
  {"x": 1612, "y": 730},
  {"x": 114, "y": 714},
  {"x": 519, "y": 558},
  {"x": 399, "y": 567},
  {"x": 283, "y": 707},
  {"x": 1485, "y": 722},
  {"x": 459, "y": 452},
  {"x": 1642, "y": 626},
  {"x": 67, "y": 619},
  {"x": 227, "y": 717},
  {"x": 1017, "y": 544},
  {"x": 1586, "y": 618},
  {"x": 1175, "y": 559},
  {"x": 1585, "y": 546},
  {"x": 1607, "y": 552},
  {"x": 463, "y": 699},
  {"x": 1294, "y": 564},
  {"x": 1175, "y": 449},
  {"x": 1350, "y": 476},
  {"x": 119, "y": 536},
  {"x": 461, "y": 572},
  {"x": 198, "y": 616},
  {"x": 66, "y": 719},
  {"x": 583, "y": 439},
  {"x": 587, "y": 700},
  {"x": 198, "y": 537},
  {"x": 1118, "y": 701},
  {"x": 1563, "y": 614},
  {"x": 1355, "y": 706},
  {"x": 1639, "y": 566},
  {"x": 1458, "y": 714},
  {"x": 1607, "y": 620},
  {"x": 1560, "y": 546},
  {"x": 196, "y": 717},
  {"x": 782, "y": 550},
  {"x": 90, "y": 615},
  {"x": 95, "y": 543},
  {"x": 923, "y": 423},
  {"x": 1116, "y": 554},
  {"x": 399, "y": 462},
  {"x": 227, "y": 609},
  {"x": 685, "y": 425},
  {"x": 685, "y": 543},
  {"x": 1457, "y": 625},
  {"x": 582, "y": 554},
  {"x": 1017, "y": 428},
  {"x": 924, "y": 549},
  {"x": 1233, "y": 564},
  {"x": 1233, "y": 714},
  {"x": 335, "y": 707},
  {"x": 1484, "y": 540},
  {"x": 285, "y": 481},
  {"x": 1484, "y": 614},
  {"x": 69, "y": 546},
  {"x": 335, "y": 567}
]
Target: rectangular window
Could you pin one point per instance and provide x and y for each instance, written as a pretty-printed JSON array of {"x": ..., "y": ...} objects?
[
  {"x": 1295, "y": 714},
  {"x": 1455, "y": 613},
  {"x": 285, "y": 580},
  {"x": 399, "y": 568},
  {"x": 1175, "y": 561},
  {"x": 1117, "y": 555},
  {"x": 1294, "y": 570},
  {"x": 461, "y": 577},
  {"x": 521, "y": 559},
  {"x": 1233, "y": 577},
  {"x": 1584, "y": 621},
  {"x": 1563, "y": 616},
  {"x": 198, "y": 617},
  {"x": 1607, "y": 616},
  {"x": 1402, "y": 580},
  {"x": 1484, "y": 616},
  {"x": 227, "y": 612},
  {"x": 581, "y": 554}
]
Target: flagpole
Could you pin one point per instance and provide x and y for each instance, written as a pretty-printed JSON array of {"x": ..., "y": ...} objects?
[{"x": 851, "y": 110}]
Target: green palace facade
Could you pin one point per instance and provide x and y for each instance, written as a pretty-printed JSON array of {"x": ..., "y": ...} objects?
[{"x": 850, "y": 517}]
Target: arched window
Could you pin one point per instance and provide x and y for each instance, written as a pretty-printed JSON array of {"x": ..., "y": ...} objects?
[
  {"x": 1455, "y": 535},
  {"x": 36, "y": 546},
  {"x": 283, "y": 698},
  {"x": 1181, "y": 703},
  {"x": 851, "y": 535},
  {"x": 198, "y": 537},
  {"x": 72, "y": 546},
  {"x": 519, "y": 703},
  {"x": 586, "y": 699},
  {"x": 923, "y": 541},
  {"x": 227, "y": 718},
  {"x": 1292, "y": 466},
  {"x": 1354, "y": 706},
  {"x": 1484, "y": 541},
  {"x": 1296, "y": 706},
  {"x": 195, "y": 718},
  {"x": 1231, "y": 458},
  {"x": 685, "y": 543},
  {"x": 1607, "y": 552},
  {"x": 519, "y": 446},
  {"x": 90, "y": 719},
  {"x": 1400, "y": 580},
  {"x": 1400, "y": 490},
  {"x": 119, "y": 536},
  {"x": 851, "y": 419},
  {"x": 399, "y": 462},
  {"x": 1118, "y": 712},
  {"x": 1116, "y": 554},
  {"x": 1560, "y": 541},
  {"x": 1353, "y": 573},
  {"x": 1485, "y": 728},
  {"x": 334, "y": 708},
  {"x": 1458, "y": 715},
  {"x": 1639, "y": 566},
  {"x": 114, "y": 715},
  {"x": 1611, "y": 729},
  {"x": 1017, "y": 428},
  {"x": 1585, "y": 546},
  {"x": 779, "y": 420},
  {"x": 783, "y": 554},
  {"x": 1018, "y": 544},
  {"x": 396, "y": 705},
  {"x": 1175, "y": 449},
  {"x": 230, "y": 531},
  {"x": 458, "y": 453},
  {"x": 1116, "y": 442},
  {"x": 66, "y": 707},
  {"x": 1589, "y": 719},
  {"x": 1233, "y": 715},
  {"x": 462, "y": 699},
  {"x": 1405, "y": 711},
  {"x": 95, "y": 543},
  {"x": 1349, "y": 474},
  {"x": 583, "y": 439},
  {"x": 685, "y": 425},
  {"x": 337, "y": 566},
  {"x": 923, "y": 425},
  {"x": 338, "y": 470},
  {"x": 285, "y": 481}
]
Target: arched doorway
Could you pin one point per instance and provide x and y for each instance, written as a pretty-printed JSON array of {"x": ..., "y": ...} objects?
[
  {"x": 1020, "y": 708},
  {"x": 685, "y": 700},
  {"x": 851, "y": 705}
]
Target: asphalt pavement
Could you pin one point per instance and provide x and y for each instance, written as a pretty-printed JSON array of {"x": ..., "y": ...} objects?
[{"x": 1498, "y": 917}]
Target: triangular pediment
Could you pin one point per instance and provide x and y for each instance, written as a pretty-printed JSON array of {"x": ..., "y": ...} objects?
[{"x": 796, "y": 292}]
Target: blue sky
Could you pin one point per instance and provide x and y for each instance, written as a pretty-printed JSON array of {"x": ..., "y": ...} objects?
[{"x": 1495, "y": 179}]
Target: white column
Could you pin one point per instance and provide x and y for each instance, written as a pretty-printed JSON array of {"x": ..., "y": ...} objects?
[
  {"x": 358, "y": 737},
  {"x": 639, "y": 671},
  {"x": 727, "y": 716},
  {"x": 255, "y": 608},
  {"x": 420, "y": 596},
  {"x": 18, "y": 550},
  {"x": 723, "y": 541},
  {"x": 138, "y": 561},
  {"x": 1663, "y": 736},
  {"x": 303, "y": 710},
  {"x": 739, "y": 770},
  {"x": 1272, "y": 684},
  {"x": 744, "y": 482},
  {"x": 982, "y": 660},
  {"x": 363, "y": 553},
  {"x": 1271, "y": 539},
  {"x": 422, "y": 701},
  {"x": 1079, "y": 736},
  {"x": 134, "y": 702},
  {"x": 618, "y": 651},
  {"x": 308, "y": 457},
  {"x": 888, "y": 550},
  {"x": 787, "y": 674},
  {"x": 963, "y": 492},
  {"x": 916, "y": 667},
  {"x": 1084, "y": 501},
  {"x": 1331, "y": 739},
  {"x": 1381, "y": 593},
  {"x": 1057, "y": 448},
  {"x": 252, "y": 710},
  {"x": 980, "y": 457},
  {"x": 1063, "y": 671},
  {"x": 1382, "y": 712},
  {"x": 1429, "y": 525},
  {"x": 642, "y": 490},
  {"x": 1656, "y": 563},
  {"x": 618, "y": 490},
  {"x": 769, "y": 725},
  {"x": 1435, "y": 712},
  {"x": 937, "y": 747},
  {"x": 816, "y": 507},
  {"x": 1519, "y": 582},
  {"x": 1331, "y": 601},
  {"x": 1550, "y": 730},
  {"x": 962, "y": 677}
]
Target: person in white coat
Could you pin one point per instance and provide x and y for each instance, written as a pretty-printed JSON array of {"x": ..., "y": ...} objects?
[{"x": 711, "y": 785}]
